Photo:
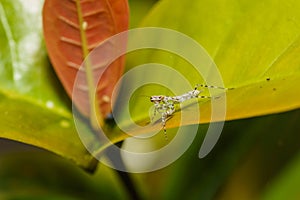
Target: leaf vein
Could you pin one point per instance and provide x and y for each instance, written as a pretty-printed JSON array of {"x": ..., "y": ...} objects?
[
  {"x": 11, "y": 43},
  {"x": 283, "y": 52}
]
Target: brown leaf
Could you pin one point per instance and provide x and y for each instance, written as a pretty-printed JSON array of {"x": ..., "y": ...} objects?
[{"x": 72, "y": 29}]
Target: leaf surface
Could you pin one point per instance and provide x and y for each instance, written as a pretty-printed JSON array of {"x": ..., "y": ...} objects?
[
  {"x": 33, "y": 105},
  {"x": 72, "y": 29},
  {"x": 254, "y": 44},
  {"x": 35, "y": 175}
]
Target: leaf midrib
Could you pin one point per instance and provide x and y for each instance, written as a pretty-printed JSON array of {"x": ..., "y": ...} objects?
[{"x": 95, "y": 115}]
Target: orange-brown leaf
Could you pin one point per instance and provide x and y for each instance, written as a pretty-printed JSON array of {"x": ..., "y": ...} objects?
[{"x": 63, "y": 36}]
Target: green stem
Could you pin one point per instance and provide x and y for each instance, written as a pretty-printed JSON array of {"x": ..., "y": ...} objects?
[
  {"x": 95, "y": 115},
  {"x": 129, "y": 185},
  {"x": 125, "y": 177}
]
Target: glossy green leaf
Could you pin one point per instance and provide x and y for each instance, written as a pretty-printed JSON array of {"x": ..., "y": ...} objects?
[
  {"x": 34, "y": 108},
  {"x": 255, "y": 45}
]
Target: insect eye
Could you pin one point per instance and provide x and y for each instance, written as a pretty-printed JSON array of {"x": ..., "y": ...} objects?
[
  {"x": 160, "y": 98},
  {"x": 153, "y": 98},
  {"x": 156, "y": 98}
]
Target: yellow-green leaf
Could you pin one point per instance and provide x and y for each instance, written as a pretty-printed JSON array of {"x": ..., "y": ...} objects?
[
  {"x": 255, "y": 45},
  {"x": 34, "y": 107}
]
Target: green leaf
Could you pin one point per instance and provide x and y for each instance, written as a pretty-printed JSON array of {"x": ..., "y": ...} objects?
[
  {"x": 285, "y": 186},
  {"x": 255, "y": 45},
  {"x": 138, "y": 10},
  {"x": 34, "y": 108},
  {"x": 40, "y": 175}
]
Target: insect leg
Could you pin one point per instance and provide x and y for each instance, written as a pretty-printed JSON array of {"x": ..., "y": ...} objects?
[
  {"x": 204, "y": 97},
  {"x": 163, "y": 120},
  {"x": 154, "y": 113},
  {"x": 207, "y": 97},
  {"x": 156, "y": 109},
  {"x": 209, "y": 86}
]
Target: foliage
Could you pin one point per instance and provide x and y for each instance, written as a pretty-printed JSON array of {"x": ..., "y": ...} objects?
[{"x": 255, "y": 44}]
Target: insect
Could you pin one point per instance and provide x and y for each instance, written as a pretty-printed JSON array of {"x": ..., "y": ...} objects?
[{"x": 165, "y": 105}]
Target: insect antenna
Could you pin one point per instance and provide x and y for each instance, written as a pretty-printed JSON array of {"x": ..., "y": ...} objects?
[{"x": 142, "y": 95}]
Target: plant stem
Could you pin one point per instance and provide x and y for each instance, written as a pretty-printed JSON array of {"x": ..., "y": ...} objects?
[
  {"x": 128, "y": 184},
  {"x": 124, "y": 176}
]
